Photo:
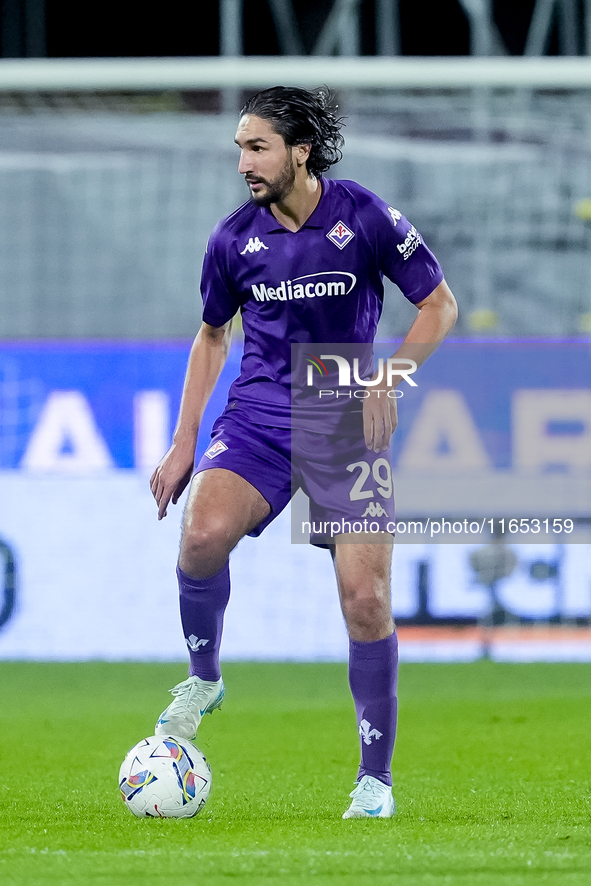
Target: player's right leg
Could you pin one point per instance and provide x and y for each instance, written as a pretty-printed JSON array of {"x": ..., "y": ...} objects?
[{"x": 222, "y": 507}]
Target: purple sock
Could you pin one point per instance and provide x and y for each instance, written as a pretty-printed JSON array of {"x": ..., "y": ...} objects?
[
  {"x": 373, "y": 677},
  {"x": 203, "y": 603}
]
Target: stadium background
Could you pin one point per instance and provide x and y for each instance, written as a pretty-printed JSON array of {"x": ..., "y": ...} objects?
[{"x": 111, "y": 178}]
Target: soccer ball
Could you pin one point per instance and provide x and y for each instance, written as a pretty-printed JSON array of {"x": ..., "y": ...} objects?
[{"x": 164, "y": 777}]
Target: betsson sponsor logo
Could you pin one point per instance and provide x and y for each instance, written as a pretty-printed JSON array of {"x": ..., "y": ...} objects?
[
  {"x": 308, "y": 286},
  {"x": 412, "y": 242}
]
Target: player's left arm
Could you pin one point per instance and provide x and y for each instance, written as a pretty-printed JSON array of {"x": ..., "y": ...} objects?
[{"x": 436, "y": 316}]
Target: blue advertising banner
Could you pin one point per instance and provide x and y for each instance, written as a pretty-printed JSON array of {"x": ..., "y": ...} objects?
[
  {"x": 498, "y": 405},
  {"x": 86, "y": 406},
  {"x": 83, "y": 406},
  {"x": 82, "y": 423}
]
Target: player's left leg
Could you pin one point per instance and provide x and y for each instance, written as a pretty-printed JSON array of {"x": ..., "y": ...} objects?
[{"x": 363, "y": 577}]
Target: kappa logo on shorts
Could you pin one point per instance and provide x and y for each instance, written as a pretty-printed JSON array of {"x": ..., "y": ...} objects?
[
  {"x": 253, "y": 245},
  {"x": 340, "y": 235},
  {"x": 374, "y": 509},
  {"x": 215, "y": 449}
]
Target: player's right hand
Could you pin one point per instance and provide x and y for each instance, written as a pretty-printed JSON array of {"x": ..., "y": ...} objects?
[
  {"x": 172, "y": 476},
  {"x": 380, "y": 419}
]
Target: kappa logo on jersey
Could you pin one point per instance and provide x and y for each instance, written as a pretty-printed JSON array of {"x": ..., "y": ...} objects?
[
  {"x": 367, "y": 733},
  {"x": 307, "y": 286},
  {"x": 412, "y": 242},
  {"x": 396, "y": 216},
  {"x": 340, "y": 235},
  {"x": 253, "y": 245},
  {"x": 215, "y": 449},
  {"x": 374, "y": 509}
]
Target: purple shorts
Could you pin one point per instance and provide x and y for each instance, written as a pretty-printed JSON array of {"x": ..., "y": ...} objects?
[{"x": 350, "y": 487}]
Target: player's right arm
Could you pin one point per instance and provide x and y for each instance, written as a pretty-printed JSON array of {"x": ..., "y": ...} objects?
[{"x": 206, "y": 360}]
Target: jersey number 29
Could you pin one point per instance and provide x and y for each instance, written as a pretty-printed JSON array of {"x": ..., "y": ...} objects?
[{"x": 382, "y": 474}]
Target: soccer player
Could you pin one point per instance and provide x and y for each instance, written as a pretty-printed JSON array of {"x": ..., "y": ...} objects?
[{"x": 281, "y": 259}]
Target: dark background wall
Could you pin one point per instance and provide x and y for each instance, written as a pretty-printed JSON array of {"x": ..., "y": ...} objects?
[{"x": 68, "y": 28}]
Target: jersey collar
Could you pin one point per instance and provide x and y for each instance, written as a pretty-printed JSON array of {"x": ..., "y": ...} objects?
[{"x": 315, "y": 222}]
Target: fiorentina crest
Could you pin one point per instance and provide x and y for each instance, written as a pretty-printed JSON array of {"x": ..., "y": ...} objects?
[{"x": 340, "y": 235}]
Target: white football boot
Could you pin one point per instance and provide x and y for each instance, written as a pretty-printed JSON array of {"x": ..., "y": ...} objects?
[
  {"x": 371, "y": 799},
  {"x": 192, "y": 699}
]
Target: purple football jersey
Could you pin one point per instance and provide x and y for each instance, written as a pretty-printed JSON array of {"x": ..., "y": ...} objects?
[{"x": 322, "y": 283}]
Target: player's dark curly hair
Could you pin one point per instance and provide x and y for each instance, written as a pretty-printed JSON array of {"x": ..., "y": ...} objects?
[{"x": 302, "y": 117}]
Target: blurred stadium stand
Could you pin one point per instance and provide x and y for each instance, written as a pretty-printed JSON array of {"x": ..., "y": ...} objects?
[
  {"x": 37, "y": 28},
  {"x": 108, "y": 192},
  {"x": 107, "y": 200}
]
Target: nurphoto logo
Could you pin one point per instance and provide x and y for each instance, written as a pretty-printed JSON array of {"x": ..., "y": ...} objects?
[{"x": 394, "y": 367}]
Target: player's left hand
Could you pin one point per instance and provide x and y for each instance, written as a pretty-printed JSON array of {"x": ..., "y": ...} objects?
[{"x": 380, "y": 418}]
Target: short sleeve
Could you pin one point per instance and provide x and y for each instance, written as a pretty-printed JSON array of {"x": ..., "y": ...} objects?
[
  {"x": 403, "y": 256},
  {"x": 220, "y": 301}
]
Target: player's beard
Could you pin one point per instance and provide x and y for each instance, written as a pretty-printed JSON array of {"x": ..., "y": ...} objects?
[{"x": 277, "y": 188}]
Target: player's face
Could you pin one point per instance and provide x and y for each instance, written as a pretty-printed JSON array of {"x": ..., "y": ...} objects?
[{"x": 265, "y": 161}]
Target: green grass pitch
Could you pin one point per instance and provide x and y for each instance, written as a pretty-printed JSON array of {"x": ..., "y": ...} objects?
[{"x": 491, "y": 771}]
